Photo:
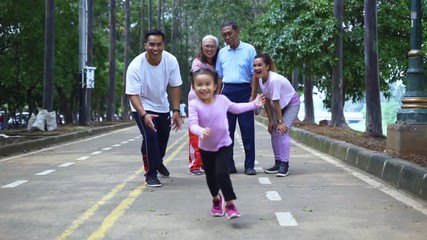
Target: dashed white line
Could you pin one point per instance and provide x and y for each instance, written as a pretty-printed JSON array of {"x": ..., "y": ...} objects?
[
  {"x": 46, "y": 172},
  {"x": 273, "y": 195},
  {"x": 82, "y": 158},
  {"x": 107, "y": 148},
  {"x": 66, "y": 164},
  {"x": 124, "y": 142},
  {"x": 96, "y": 152},
  {"x": 286, "y": 219},
  {"x": 14, "y": 184},
  {"x": 116, "y": 145},
  {"x": 264, "y": 180}
]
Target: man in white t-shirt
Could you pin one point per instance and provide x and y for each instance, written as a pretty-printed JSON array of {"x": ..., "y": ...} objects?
[{"x": 147, "y": 80}]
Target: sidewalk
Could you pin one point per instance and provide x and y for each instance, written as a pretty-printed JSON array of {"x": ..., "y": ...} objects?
[{"x": 396, "y": 172}]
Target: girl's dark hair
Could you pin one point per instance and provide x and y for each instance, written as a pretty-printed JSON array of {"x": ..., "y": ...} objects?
[
  {"x": 206, "y": 71},
  {"x": 267, "y": 60}
]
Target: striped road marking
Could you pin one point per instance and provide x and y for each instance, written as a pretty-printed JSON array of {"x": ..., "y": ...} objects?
[
  {"x": 273, "y": 196},
  {"x": 82, "y": 158},
  {"x": 264, "y": 180},
  {"x": 14, "y": 184},
  {"x": 286, "y": 219},
  {"x": 66, "y": 164},
  {"x": 46, "y": 172}
]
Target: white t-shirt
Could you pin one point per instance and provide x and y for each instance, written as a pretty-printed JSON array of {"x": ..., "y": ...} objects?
[{"x": 151, "y": 82}]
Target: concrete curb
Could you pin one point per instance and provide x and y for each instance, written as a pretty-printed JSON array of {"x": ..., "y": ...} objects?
[
  {"x": 23, "y": 147},
  {"x": 395, "y": 171}
]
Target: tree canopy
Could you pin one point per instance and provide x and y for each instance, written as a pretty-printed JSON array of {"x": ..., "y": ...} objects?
[{"x": 295, "y": 33}]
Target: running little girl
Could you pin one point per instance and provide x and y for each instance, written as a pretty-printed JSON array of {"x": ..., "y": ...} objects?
[{"x": 208, "y": 120}]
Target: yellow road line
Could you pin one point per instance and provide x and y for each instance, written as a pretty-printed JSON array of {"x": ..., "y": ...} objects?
[
  {"x": 124, "y": 205},
  {"x": 85, "y": 216}
]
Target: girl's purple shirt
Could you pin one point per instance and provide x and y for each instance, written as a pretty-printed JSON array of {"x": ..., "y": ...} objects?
[{"x": 214, "y": 116}]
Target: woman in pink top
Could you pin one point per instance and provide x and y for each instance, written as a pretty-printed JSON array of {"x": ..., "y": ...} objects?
[
  {"x": 282, "y": 107},
  {"x": 205, "y": 59},
  {"x": 208, "y": 120}
]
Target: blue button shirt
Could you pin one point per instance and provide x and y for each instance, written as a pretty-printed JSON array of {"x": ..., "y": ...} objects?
[{"x": 236, "y": 66}]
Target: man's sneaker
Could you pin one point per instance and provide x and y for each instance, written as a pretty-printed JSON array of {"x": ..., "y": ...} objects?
[
  {"x": 163, "y": 171},
  {"x": 196, "y": 172},
  {"x": 273, "y": 169},
  {"x": 250, "y": 171},
  {"x": 283, "y": 169},
  {"x": 153, "y": 181},
  {"x": 231, "y": 211},
  {"x": 218, "y": 207}
]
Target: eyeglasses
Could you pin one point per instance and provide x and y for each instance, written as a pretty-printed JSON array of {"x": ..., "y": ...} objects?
[{"x": 209, "y": 47}]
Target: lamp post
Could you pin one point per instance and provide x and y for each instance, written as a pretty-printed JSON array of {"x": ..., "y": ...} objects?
[
  {"x": 409, "y": 134},
  {"x": 414, "y": 102},
  {"x": 82, "y": 60}
]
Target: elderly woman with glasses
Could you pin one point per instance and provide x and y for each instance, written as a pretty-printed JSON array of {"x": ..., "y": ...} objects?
[{"x": 206, "y": 58}]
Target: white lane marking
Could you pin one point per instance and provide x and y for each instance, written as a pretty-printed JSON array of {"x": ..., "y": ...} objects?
[
  {"x": 286, "y": 219},
  {"x": 107, "y": 148},
  {"x": 264, "y": 180},
  {"x": 66, "y": 164},
  {"x": 46, "y": 172},
  {"x": 96, "y": 152},
  {"x": 273, "y": 196},
  {"x": 398, "y": 195},
  {"x": 124, "y": 142},
  {"x": 116, "y": 145},
  {"x": 82, "y": 158},
  {"x": 14, "y": 184},
  {"x": 132, "y": 139}
]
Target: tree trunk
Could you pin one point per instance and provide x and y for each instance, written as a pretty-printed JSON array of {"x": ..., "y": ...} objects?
[
  {"x": 308, "y": 99},
  {"x": 295, "y": 78},
  {"x": 49, "y": 55},
  {"x": 125, "y": 98},
  {"x": 159, "y": 14},
  {"x": 372, "y": 83},
  {"x": 112, "y": 62},
  {"x": 141, "y": 29},
  {"x": 163, "y": 17},
  {"x": 337, "y": 103},
  {"x": 150, "y": 15}
]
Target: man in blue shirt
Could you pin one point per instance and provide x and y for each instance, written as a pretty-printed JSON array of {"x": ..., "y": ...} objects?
[{"x": 234, "y": 66}]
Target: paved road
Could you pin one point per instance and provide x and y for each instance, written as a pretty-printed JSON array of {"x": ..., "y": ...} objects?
[{"x": 94, "y": 189}]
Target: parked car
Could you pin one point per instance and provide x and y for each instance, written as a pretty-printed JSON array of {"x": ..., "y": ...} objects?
[{"x": 19, "y": 120}]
